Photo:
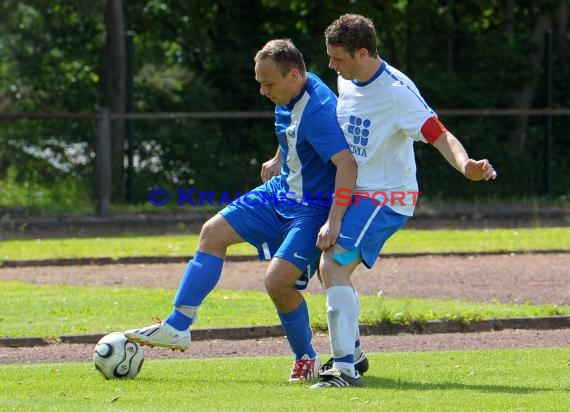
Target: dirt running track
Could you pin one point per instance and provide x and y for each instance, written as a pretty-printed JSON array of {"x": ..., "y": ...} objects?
[{"x": 516, "y": 278}]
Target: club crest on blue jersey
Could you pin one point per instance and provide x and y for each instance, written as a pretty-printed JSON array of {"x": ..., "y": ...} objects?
[{"x": 291, "y": 133}]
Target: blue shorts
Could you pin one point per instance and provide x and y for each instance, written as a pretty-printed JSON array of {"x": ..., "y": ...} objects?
[
  {"x": 366, "y": 226},
  {"x": 279, "y": 228}
]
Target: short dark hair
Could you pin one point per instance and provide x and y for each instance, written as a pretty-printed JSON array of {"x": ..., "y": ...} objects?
[
  {"x": 352, "y": 32},
  {"x": 284, "y": 53}
]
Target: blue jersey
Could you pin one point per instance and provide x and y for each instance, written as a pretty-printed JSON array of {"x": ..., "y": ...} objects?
[
  {"x": 309, "y": 135},
  {"x": 282, "y": 217}
]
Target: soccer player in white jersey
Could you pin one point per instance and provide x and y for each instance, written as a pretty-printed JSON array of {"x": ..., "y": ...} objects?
[
  {"x": 283, "y": 216},
  {"x": 381, "y": 113}
]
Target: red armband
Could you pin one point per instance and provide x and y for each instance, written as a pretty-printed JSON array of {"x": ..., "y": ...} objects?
[{"x": 432, "y": 129}]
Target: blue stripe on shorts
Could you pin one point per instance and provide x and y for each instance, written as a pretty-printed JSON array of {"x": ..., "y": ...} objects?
[{"x": 367, "y": 226}]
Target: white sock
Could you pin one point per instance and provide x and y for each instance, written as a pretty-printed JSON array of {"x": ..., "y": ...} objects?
[
  {"x": 342, "y": 316},
  {"x": 347, "y": 368},
  {"x": 357, "y": 349}
]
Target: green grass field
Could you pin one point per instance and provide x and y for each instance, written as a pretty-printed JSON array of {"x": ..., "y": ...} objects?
[
  {"x": 55, "y": 310},
  {"x": 475, "y": 380},
  {"x": 404, "y": 241}
]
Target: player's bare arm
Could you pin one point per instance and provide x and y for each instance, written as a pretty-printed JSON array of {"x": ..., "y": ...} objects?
[
  {"x": 456, "y": 155},
  {"x": 346, "y": 171},
  {"x": 272, "y": 167}
]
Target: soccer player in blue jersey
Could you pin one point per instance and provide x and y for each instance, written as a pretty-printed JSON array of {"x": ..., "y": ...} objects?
[
  {"x": 281, "y": 218},
  {"x": 381, "y": 113}
]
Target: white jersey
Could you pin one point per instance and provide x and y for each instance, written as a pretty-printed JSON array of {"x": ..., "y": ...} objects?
[{"x": 380, "y": 119}]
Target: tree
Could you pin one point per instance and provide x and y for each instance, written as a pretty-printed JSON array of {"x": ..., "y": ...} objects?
[
  {"x": 114, "y": 82},
  {"x": 524, "y": 96}
]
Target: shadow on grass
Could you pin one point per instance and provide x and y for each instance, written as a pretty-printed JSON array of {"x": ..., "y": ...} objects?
[{"x": 399, "y": 384}]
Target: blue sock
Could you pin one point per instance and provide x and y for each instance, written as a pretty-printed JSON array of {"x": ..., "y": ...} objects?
[
  {"x": 201, "y": 276},
  {"x": 298, "y": 332},
  {"x": 179, "y": 320}
]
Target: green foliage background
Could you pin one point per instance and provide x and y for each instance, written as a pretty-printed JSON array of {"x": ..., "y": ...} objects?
[{"x": 197, "y": 56}]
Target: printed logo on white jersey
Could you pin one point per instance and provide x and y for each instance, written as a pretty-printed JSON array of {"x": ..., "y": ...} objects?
[
  {"x": 298, "y": 256},
  {"x": 358, "y": 128}
]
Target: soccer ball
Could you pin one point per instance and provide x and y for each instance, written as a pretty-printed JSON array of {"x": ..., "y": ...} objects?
[{"x": 116, "y": 357}]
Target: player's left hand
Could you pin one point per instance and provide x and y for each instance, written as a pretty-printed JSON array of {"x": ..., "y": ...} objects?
[{"x": 479, "y": 170}]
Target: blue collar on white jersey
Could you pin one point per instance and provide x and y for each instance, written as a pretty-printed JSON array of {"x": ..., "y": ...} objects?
[{"x": 374, "y": 77}]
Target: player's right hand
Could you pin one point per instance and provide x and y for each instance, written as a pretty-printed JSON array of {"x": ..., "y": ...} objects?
[
  {"x": 269, "y": 169},
  {"x": 327, "y": 235},
  {"x": 479, "y": 170}
]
